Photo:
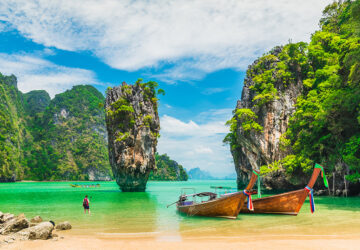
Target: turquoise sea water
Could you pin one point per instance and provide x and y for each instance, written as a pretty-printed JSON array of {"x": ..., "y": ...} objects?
[{"x": 114, "y": 212}]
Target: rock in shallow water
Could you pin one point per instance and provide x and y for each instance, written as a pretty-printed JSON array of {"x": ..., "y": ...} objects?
[
  {"x": 63, "y": 226},
  {"x": 133, "y": 127},
  {"x": 36, "y": 219}
]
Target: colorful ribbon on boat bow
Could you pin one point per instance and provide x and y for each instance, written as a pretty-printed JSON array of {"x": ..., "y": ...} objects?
[
  {"x": 249, "y": 201},
  {"x": 322, "y": 174},
  {"x": 311, "y": 198}
]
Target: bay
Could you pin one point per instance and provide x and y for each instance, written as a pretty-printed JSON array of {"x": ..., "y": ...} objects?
[{"x": 146, "y": 215}]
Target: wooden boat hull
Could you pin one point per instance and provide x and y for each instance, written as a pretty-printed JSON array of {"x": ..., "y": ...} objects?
[
  {"x": 226, "y": 206},
  {"x": 85, "y": 186},
  {"x": 288, "y": 203}
]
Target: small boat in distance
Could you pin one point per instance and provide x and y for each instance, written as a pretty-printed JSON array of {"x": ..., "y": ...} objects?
[
  {"x": 85, "y": 185},
  {"x": 227, "y": 205},
  {"x": 288, "y": 203}
]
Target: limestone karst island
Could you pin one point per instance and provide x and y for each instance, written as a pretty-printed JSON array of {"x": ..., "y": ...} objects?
[{"x": 180, "y": 124}]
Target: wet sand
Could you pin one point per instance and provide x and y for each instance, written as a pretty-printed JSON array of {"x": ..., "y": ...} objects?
[{"x": 67, "y": 240}]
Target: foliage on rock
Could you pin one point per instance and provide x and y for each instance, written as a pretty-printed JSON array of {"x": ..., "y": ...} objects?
[
  {"x": 133, "y": 126},
  {"x": 43, "y": 139},
  {"x": 73, "y": 130},
  {"x": 325, "y": 126},
  {"x": 168, "y": 170},
  {"x": 13, "y": 131}
]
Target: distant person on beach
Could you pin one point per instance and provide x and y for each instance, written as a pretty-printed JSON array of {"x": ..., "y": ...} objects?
[{"x": 86, "y": 204}]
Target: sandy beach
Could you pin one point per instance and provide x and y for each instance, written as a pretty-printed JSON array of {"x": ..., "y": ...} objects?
[
  {"x": 79, "y": 242},
  {"x": 73, "y": 239}
]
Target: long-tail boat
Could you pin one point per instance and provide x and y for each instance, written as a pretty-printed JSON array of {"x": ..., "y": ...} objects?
[
  {"x": 226, "y": 206},
  {"x": 288, "y": 203},
  {"x": 85, "y": 185}
]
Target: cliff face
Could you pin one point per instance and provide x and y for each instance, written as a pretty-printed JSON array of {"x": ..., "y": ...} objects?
[
  {"x": 133, "y": 127},
  {"x": 300, "y": 106},
  {"x": 43, "y": 139},
  {"x": 12, "y": 130},
  {"x": 255, "y": 149},
  {"x": 74, "y": 127},
  {"x": 198, "y": 174}
]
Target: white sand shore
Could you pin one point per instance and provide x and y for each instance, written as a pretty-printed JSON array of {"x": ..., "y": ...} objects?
[{"x": 167, "y": 242}]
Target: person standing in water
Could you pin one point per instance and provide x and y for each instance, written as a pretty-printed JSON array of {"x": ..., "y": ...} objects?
[{"x": 86, "y": 204}]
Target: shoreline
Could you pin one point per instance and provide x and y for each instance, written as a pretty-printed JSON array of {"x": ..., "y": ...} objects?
[
  {"x": 318, "y": 193},
  {"x": 30, "y": 181},
  {"x": 116, "y": 241},
  {"x": 115, "y": 180}
]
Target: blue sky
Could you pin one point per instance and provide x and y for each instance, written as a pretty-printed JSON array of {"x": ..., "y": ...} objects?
[{"x": 197, "y": 50}]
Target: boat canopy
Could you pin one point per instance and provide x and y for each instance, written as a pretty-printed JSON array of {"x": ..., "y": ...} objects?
[{"x": 203, "y": 194}]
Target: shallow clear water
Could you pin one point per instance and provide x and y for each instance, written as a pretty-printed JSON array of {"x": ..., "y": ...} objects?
[{"x": 114, "y": 212}]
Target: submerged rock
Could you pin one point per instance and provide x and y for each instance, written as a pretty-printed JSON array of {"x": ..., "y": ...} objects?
[
  {"x": 63, "y": 226},
  {"x": 36, "y": 219},
  {"x": 133, "y": 127}
]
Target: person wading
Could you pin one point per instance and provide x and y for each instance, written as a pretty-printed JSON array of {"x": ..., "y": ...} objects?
[{"x": 86, "y": 204}]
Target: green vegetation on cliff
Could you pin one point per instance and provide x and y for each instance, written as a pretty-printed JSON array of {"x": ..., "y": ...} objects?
[
  {"x": 12, "y": 129},
  {"x": 246, "y": 119},
  {"x": 325, "y": 127},
  {"x": 122, "y": 112},
  {"x": 133, "y": 126},
  {"x": 36, "y": 101},
  {"x": 43, "y": 139},
  {"x": 167, "y": 170},
  {"x": 72, "y": 138}
]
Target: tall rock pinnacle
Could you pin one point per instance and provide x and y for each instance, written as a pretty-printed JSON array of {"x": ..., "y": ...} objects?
[{"x": 133, "y": 127}]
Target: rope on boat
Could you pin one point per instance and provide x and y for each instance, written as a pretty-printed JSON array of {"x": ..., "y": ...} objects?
[
  {"x": 311, "y": 198},
  {"x": 249, "y": 200},
  {"x": 322, "y": 173}
]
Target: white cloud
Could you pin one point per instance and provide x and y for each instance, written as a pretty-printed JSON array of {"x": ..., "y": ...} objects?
[
  {"x": 3, "y": 27},
  {"x": 198, "y": 144},
  {"x": 33, "y": 72},
  {"x": 216, "y": 115},
  {"x": 203, "y": 150},
  {"x": 195, "y": 36},
  {"x": 176, "y": 127}
]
